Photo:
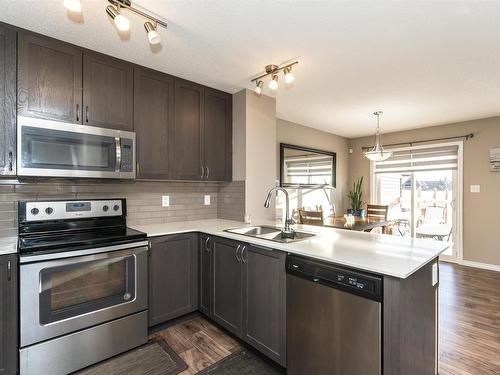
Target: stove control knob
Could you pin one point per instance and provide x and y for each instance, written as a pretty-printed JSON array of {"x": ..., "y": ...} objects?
[
  {"x": 116, "y": 207},
  {"x": 49, "y": 210},
  {"x": 35, "y": 211},
  {"x": 105, "y": 208}
]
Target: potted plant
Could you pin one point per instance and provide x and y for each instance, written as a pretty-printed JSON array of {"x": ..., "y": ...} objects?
[{"x": 356, "y": 198}]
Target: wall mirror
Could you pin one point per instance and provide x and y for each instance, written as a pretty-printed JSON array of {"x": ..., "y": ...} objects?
[{"x": 303, "y": 167}]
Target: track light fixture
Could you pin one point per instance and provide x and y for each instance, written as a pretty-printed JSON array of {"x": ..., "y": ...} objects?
[
  {"x": 258, "y": 87},
  {"x": 151, "y": 24},
  {"x": 122, "y": 23},
  {"x": 273, "y": 70}
]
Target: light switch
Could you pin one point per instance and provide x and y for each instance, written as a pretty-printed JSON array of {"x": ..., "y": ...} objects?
[
  {"x": 475, "y": 188},
  {"x": 206, "y": 201},
  {"x": 165, "y": 200},
  {"x": 435, "y": 275}
]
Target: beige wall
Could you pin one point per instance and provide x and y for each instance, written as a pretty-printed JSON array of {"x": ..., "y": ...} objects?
[
  {"x": 296, "y": 134},
  {"x": 481, "y": 235},
  {"x": 254, "y": 142}
]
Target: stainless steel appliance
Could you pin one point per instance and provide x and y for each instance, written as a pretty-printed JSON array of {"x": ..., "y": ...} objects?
[
  {"x": 83, "y": 284},
  {"x": 49, "y": 148},
  {"x": 333, "y": 319}
]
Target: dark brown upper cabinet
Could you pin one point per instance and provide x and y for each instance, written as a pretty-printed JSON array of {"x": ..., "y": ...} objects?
[
  {"x": 153, "y": 118},
  {"x": 201, "y": 147},
  {"x": 217, "y": 135},
  {"x": 49, "y": 78},
  {"x": 7, "y": 101},
  {"x": 186, "y": 146},
  {"x": 108, "y": 92}
]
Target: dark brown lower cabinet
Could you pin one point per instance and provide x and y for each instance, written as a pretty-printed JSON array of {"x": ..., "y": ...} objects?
[
  {"x": 264, "y": 301},
  {"x": 249, "y": 294},
  {"x": 8, "y": 315},
  {"x": 205, "y": 275},
  {"x": 173, "y": 277},
  {"x": 227, "y": 285}
]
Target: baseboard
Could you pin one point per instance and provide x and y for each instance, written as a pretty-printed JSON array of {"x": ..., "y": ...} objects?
[{"x": 484, "y": 266}]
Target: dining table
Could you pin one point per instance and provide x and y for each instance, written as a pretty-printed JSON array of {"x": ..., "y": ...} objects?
[{"x": 359, "y": 224}]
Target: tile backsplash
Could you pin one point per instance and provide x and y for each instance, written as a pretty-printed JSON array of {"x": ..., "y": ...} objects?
[{"x": 144, "y": 199}]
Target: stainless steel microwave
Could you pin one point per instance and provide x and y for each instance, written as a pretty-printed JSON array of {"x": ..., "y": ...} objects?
[{"x": 49, "y": 148}]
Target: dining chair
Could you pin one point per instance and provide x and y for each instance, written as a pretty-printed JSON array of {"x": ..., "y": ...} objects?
[
  {"x": 377, "y": 211},
  {"x": 310, "y": 217}
]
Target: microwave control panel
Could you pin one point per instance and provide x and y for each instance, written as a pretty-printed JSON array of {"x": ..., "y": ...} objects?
[{"x": 127, "y": 163}]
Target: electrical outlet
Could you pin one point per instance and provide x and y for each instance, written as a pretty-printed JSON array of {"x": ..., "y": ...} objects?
[
  {"x": 475, "y": 188},
  {"x": 165, "y": 200},
  {"x": 206, "y": 200}
]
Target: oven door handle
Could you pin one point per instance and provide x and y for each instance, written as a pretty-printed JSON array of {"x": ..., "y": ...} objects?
[
  {"x": 118, "y": 151},
  {"x": 135, "y": 247}
]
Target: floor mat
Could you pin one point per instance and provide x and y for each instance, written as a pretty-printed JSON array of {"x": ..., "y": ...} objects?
[{"x": 154, "y": 358}]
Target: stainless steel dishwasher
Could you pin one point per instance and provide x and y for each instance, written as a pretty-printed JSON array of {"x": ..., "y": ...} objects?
[{"x": 333, "y": 319}]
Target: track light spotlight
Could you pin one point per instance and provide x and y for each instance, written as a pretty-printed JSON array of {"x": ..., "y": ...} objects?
[
  {"x": 258, "y": 88},
  {"x": 273, "y": 84},
  {"x": 153, "y": 35},
  {"x": 73, "y": 5},
  {"x": 121, "y": 22},
  {"x": 289, "y": 78}
]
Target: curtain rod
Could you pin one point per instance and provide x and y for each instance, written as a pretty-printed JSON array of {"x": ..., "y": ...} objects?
[{"x": 466, "y": 137}]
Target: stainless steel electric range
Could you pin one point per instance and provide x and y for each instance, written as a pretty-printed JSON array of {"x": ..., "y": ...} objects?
[{"x": 83, "y": 284}]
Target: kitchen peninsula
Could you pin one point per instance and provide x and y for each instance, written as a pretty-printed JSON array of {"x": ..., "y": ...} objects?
[{"x": 235, "y": 273}]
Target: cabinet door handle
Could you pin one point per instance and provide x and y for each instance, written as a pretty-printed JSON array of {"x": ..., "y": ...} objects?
[
  {"x": 9, "y": 270},
  {"x": 207, "y": 248},
  {"x": 202, "y": 172},
  {"x": 78, "y": 113},
  {"x": 208, "y": 172},
  {"x": 87, "y": 113},
  {"x": 244, "y": 254},
  {"x": 11, "y": 161},
  {"x": 236, "y": 253}
]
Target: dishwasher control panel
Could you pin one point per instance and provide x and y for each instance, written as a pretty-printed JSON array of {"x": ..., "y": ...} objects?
[{"x": 353, "y": 281}]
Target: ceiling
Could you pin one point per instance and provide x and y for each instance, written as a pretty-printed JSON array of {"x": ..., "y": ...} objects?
[{"x": 422, "y": 63}]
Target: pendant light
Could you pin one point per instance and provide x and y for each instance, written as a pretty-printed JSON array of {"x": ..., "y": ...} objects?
[{"x": 378, "y": 153}]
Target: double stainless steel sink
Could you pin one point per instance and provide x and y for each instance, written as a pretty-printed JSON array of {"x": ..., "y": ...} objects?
[{"x": 270, "y": 233}]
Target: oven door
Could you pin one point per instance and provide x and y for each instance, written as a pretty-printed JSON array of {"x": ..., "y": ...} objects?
[
  {"x": 66, "y": 295},
  {"x": 54, "y": 149}
]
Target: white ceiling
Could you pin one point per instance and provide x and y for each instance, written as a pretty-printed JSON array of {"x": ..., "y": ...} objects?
[{"x": 422, "y": 63}]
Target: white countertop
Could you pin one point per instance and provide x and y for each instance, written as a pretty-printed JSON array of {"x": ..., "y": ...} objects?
[
  {"x": 8, "y": 245},
  {"x": 383, "y": 254}
]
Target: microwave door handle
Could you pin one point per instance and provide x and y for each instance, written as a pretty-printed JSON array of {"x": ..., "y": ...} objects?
[{"x": 118, "y": 145}]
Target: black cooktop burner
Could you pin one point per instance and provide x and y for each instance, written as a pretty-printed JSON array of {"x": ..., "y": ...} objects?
[{"x": 67, "y": 241}]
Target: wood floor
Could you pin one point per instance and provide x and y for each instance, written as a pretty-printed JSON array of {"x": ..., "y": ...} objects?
[
  {"x": 469, "y": 319},
  {"x": 469, "y": 327},
  {"x": 199, "y": 343}
]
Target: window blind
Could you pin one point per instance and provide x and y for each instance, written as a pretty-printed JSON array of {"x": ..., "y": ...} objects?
[
  {"x": 310, "y": 169},
  {"x": 420, "y": 159}
]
